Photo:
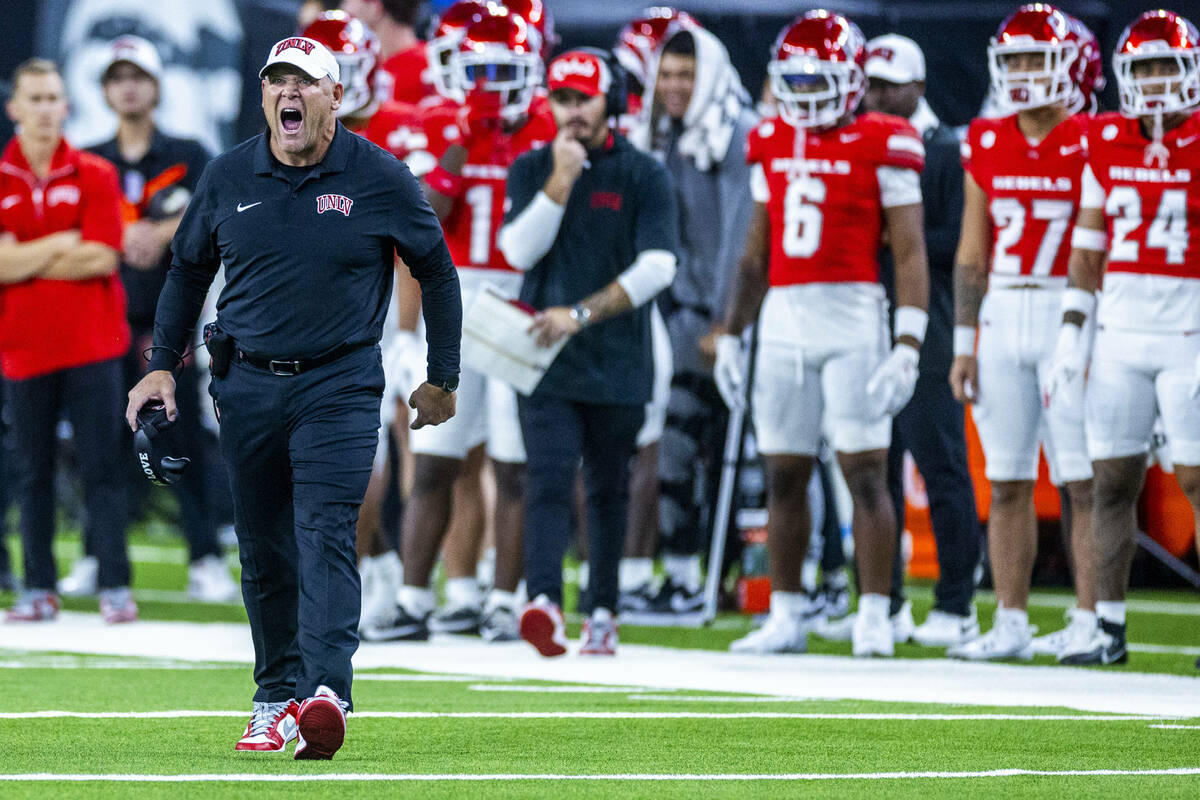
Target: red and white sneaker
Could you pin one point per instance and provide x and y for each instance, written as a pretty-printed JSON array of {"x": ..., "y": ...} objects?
[
  {"x": 599, "y": 636},
  {"x": 271, "y": 727},
  {"x": 542, "y": 626},
  {"x": 34, "y": 605},
  {"x": 117, "y": 606},
  {"x": 322, "y": 723}
]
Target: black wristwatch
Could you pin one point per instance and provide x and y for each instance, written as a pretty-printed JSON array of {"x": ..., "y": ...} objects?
[
  {"x": 446, "y": 385},
  {"x": 581, "y": 314}
]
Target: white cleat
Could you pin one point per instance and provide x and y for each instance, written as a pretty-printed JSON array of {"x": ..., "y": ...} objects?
[
  {"x": 941, "y": 629},
  {"x": 1003, "y": 641},
  {"x": 842, "y": 628},
  {"x": 876, "y": 635},
  {"x": 781, "y": 633},
  {"x": 209, "y": 581},
  {"x": 1080, "y": 629},
  {"x": 1083, "y": 636},
  {"x": 81, "y": 580}
]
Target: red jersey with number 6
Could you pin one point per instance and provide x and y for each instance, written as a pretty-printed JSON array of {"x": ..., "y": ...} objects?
[
  {"x": 1032, "y": 190},
  {"x": 478, "y": 212},
  {"x": 826, "y": 206},
  {"x": 1152, "y": 211}
]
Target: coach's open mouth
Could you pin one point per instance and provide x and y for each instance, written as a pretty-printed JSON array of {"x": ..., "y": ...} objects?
[{"x": 290, "y": 119}]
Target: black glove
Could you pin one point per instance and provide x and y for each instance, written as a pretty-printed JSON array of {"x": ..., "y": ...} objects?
[{"x": 152, "y": 442}]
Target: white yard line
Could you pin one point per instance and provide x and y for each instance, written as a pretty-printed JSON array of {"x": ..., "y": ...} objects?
[
  {"x": 621, "y": 777},
  {"x": 660, "y": 669},
  {"x": 623, "y": 715},
  {"x": 529, "y": 689},
  {"x": 1177, "y": 727}
]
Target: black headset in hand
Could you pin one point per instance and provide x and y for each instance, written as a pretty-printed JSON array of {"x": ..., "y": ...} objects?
[{"x": 153, "y": 445}]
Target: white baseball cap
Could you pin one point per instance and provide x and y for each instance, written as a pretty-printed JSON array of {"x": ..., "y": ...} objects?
[
  {"x": 312, "y": 57},
  {"x": 133, "y": 50},
  {"x": 895, "y": 58}
]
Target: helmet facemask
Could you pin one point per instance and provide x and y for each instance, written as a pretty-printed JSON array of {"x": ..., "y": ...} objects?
[
  {"x": 1174, "y": 90},
  {"x": 357, "y": 92},
  {"x": 496, "y": 71},
  {"x": 813, "y": 92},
  {"x": 1049, "y": 84}
]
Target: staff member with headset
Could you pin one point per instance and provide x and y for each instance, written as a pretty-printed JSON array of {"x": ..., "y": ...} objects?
[
  {"x": 592, "y": 221},
  {"x": 307, "y": 219}
]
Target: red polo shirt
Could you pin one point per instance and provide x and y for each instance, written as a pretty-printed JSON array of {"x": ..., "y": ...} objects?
[{"x": 49, "y": 325}]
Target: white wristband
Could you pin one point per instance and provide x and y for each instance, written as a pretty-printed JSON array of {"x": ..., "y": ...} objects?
[
  {"x": 1078, "y": 300},
  {"x": 964, "y": 340},
  {"x": 911, "y": 321},
  {"x": 1089, "y": 239}
]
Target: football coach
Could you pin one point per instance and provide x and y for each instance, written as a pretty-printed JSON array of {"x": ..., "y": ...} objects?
[
  {"x": 593, "y": 224},
  {"x": 306, "y": 218}
]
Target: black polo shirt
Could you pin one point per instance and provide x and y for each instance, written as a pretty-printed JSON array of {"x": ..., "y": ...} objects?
[
  {"x": 621, "y": 205},
  {"x": 308, "y": 258},
  {"x": 157, "y": 186}
]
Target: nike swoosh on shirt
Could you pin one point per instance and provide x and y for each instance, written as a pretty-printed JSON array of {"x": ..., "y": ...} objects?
[
  {"x": 846, "y": 138},
  {"x": 242, "y": 208},
  {"x": 10, "y": 201},
  {"x": 1187, "y": 141},
  {"x": 1066, "y": 151}
]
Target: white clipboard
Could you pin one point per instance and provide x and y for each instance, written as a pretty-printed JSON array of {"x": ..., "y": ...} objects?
[{"x": 496, "y": 341}]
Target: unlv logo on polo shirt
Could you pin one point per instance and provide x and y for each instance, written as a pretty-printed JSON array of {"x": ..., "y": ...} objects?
[
  {"x": 334, "y": 202},
  {"x": 297, "y": 42}
]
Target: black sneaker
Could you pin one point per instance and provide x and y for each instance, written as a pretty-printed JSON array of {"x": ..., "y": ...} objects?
[
  {"x": 675, "y": 599},
  {"x": 500, "y": 625},
  {"x": 639, "y": 599},
  {"x": 1109, "y": 647},
  {"x": 399, "y": 627},
  {"x": 464, "y": 619}
]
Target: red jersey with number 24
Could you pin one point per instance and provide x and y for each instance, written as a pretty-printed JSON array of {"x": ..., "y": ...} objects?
[
  {"x": 1032, "y": 190},
  {"x": 826, "y": 214}
]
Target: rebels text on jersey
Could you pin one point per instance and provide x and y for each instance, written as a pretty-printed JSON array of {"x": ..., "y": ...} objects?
[
  {"x": 478, "y": 211},
  {"x": 1032, "y": 190},
  {"x": 826, "y": 211},
  {"x": 1152, "y": 212}
]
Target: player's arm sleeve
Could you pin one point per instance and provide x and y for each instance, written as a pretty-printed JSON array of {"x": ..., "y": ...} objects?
[
  {"x": 898, "y": 186},
  {"x": 422, "y": 246},
  {"x": 903, "y": 148},
  {"x": 1091, "y": 193},
  {"x": 942, "y": 188},
  {"x": 532, "y": 220},
  {"x": 195, "y": 260}
]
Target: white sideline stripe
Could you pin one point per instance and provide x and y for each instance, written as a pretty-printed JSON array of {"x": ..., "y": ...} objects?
[
  {"x": 491, "y": 687},
  {"x": 720, "y": 698},
  {"x": 785, "y": 776},
  {"x": 632, "y": 715},
  {"x": 1165, "y": 649},
  {"x": 416, "y": 678},
  {"x": 1177, "y": 727}
]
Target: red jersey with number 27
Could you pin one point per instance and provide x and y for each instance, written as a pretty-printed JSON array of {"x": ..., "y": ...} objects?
[
  {"x": 478, "y": 212},
  {"x": 1032, "y": 190},
  {"x": 1152, "y": 211},
  {"x": 826, "y": 214}
]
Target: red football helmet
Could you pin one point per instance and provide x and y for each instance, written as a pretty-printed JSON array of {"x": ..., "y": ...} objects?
[
  {"x": 1158, "y": 36},
  {"x": 497, "y": 62},
  {"x": 1089, "y": 70},
  {"x": 538, "y": 16},
  {"x": 444, "y": 39},
  {"x": 638, "y": 42},
  {"x": 356, "y": 50},
  {"x": 817, "y": 72},
  {"x": 1040, "y": 32}
]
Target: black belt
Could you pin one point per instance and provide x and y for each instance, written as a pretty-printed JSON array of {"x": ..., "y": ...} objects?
[{"x": 289, "y": 367}]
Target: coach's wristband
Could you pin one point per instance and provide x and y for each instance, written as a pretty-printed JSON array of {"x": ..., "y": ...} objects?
[
  {"x": 911, "y": 321},
  {"x": 964, "y": 340},
  {"x": 444, "y": 182},
  {"x": 1089, "y": 239},
  {"x": 1079, "y": 301}
]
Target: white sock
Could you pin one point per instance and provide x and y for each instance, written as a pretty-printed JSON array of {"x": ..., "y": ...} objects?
[
  {"x": 389, "y": 570},
  {"x": 634, "y": 573},
  {"x": 498, "y": 598},
  {"x": 1085, "y": 615},
  {"x": 602, "y": 615},
  {"x": 462, "y": 592},
  {"x": 683, "y": 571},
  {"x": 485, "y": 568},
  {"x": 1010, "y": 616},
  {"x": 808, "y": 575},
  {"x": 583, "y": 576},
  {"x": 874, "y": 605},
  {"x": 1111, "y": 611},
  {"x": 416, "y": 600},
  {"x": 791, "y": 604}
]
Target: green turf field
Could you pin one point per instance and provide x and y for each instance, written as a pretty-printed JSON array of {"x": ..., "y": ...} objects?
[{"x": 469, "y": 732}]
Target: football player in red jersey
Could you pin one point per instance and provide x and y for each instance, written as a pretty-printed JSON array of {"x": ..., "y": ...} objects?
[
  {"x": 1020, "y": 197},
  {"x": 827, "y": 184},
  {"x": 404, "y": 66},
  {"x": 1140, "y": 213},
  {"x": 497, "y": 68}
]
